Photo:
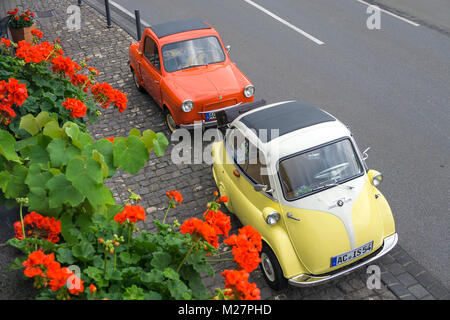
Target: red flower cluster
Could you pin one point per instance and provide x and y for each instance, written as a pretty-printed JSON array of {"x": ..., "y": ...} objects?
[
  {"x": 51, "y": 273},
  {"x": 219, "y": 221},
  {"x": 82, "y": 81},
  {"x": 240, "y": 288},
  {"x": 175, "y": 195},
  {"x": 130, "y": 214},
  {"x": 246, "y": 247},
  {"x": 110, "y": 139},
  {"x": 6, "y": 42},
  {"x": 105, "y": 95},
  {"x": 202, "y": 229},
  {"x": 37, "y": 33},
  {"x": 65, "y": 65},
  {"x": 11, "y": 93},
  {"x": 34, "y": 52},
  {"x": 36, "y": 225},
  {"x": 77, "y": 108}
]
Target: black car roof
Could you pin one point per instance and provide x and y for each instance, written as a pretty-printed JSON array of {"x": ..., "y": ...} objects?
[
  {"x": 286, "y": 117},
  {"x": 173, "y": 27}
]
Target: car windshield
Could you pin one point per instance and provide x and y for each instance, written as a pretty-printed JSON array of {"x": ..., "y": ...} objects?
[
  {"x": 319, "y": 169},
  {"x": 191, "y": 53}
]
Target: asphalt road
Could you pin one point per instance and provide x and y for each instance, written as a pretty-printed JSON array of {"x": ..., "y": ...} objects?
[{"x": 391, "y": 86}]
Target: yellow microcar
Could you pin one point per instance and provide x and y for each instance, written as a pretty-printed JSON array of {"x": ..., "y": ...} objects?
[{"x": 295, "y": 173}]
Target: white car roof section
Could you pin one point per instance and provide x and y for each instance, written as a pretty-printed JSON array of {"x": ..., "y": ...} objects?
[{"x": 301, "y": 126}]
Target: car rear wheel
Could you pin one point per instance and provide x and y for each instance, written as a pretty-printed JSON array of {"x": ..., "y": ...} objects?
[
  {"x": 271, "y": 269},
  {"x": 170, "y": 122},
  {"x": 136, "y": 81}
]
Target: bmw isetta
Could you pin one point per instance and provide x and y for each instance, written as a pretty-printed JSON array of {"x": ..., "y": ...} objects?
[{"x": 295, "y": 173}]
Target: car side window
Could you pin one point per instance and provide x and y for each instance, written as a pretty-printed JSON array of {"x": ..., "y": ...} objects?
[
  {"x": 248, "y": 158},
  {"x": 151, "y": 52}
]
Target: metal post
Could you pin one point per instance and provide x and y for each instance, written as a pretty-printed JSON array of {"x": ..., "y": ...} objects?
[
  {"x": 80, "y": 3},
  {"x": 108, "y": 14},
  {"x": 137, "y": 15}
]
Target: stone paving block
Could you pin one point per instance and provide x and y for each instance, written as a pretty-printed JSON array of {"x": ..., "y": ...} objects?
[
  {"x": 407, "y": 279},
  {"x": 418, "y": 291}
]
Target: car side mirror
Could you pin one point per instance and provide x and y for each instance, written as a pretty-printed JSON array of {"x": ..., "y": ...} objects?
[
  {"x": 365, "y": 155},
  {"x": 228, "y": 48},
  {"x": 262, "y": 188}
]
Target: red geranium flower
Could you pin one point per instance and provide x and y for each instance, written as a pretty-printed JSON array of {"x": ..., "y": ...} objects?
[
  {"x": 199, "y": 228},
  {"x": 38, "y": 226},
  {"x": 239, "y": 287},
  {"x": 130, "y": 213},
  {"x": 246, "y": 247},
  {"x": 175, "y": 195},
  {"x": 77, "y": 108},
  {"x": 219, "y": 221}
]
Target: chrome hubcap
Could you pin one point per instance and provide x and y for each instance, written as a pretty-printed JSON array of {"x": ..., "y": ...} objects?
[{"x": 267, "y": 267}]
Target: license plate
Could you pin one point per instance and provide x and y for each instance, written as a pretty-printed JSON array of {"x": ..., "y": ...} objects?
[
  {"x": 210, "y": 115},
  {"x": 352, "y": 254}
]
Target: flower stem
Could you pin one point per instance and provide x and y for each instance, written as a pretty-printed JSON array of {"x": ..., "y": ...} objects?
[
  {"x": 129, "y": 238},
  {"x": 165, "y": 215},
  {"x": 221, "y": 253},
  {"x": 220, "y": 260},
  {"x": 104, "y": 266},
  {"x": 21, "y": 221},
  {"x": 185, "y": 257}
]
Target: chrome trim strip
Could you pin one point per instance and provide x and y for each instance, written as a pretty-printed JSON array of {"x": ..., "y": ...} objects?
[
  {"x": 225, "y": 108},
  {"x": 203, "y": 123},
  {"x": 306, "y": 280}
]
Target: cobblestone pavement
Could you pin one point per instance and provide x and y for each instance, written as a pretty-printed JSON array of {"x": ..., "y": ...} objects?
[{"x": 107, "y": 50}]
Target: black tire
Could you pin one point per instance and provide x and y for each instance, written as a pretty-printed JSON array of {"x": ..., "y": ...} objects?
[
  {"x": 170, "y": 122},
  {"x": 136, "y": 82},
  {"x": 271, "y": 269}
]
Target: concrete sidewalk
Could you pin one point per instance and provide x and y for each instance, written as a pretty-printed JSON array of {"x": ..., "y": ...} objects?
[{"x": 107, "y": 50}]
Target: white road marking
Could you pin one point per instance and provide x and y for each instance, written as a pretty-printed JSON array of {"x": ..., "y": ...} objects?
[
  {"x": 303, "y": 33},
  {"x": 391, "y": 14},
  {"x": 118, "y": 6}
]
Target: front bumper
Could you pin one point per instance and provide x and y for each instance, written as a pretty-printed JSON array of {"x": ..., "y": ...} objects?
[
  {"x": 199, "y": 124},
  {"x": 306, "y": 280}
]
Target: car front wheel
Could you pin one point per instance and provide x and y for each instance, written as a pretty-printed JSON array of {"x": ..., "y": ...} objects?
[
  {"x": 271, "y": 269},
  {"x": 136, "y": 81},
  {"x": 170, "y": 122}
]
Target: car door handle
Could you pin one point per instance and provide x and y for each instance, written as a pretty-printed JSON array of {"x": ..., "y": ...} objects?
[
  {"x": 290, "y": 216},
  {"x": 156, "y": 81},
  {"x": 236, "y": 173}
]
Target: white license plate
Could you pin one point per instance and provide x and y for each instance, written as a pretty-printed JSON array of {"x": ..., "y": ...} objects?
[
  {"x": 210, "y": 115},
  {"x": 352, "y": 254}
]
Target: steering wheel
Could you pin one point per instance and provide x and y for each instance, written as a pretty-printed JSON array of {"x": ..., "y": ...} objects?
[{"x": 331, "y": 172}]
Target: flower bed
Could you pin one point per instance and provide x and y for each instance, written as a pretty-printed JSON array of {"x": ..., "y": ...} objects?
[{"x": 78, "y": 243}]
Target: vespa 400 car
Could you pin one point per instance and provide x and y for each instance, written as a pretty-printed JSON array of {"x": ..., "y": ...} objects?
[
  {"x": 186, "y": 69},
  {"x": 295, "y": 173}
]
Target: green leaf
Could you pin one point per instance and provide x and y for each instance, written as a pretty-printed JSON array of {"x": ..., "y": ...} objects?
[
  {"x": 65, "y": 256},
  {"x": 29, "y": 124},
  {"x": 87, "y": 178},
  {"x": 61, "y": 152},
  {"x": 12, "y": 183},
  {"x": 79, "y": 138},
  {"x": 83, "y": 251},
  {"x": 17, "y": 263},
  {"x": 112, "y": 274},
  {"x": 7, "y": 142},
  {"x": 160, "y": 143},
  {"x": 105, "y": 147},
  {"x": 179, "y": 290},
  {"x": 130, "y": 154},
  {"x": 52, "y": 129},
  {"x": 61, "y": 191},
  {"x": 135, "y": 132},
  {"x": 161, "y": 260},
  {"x": 154, "y": 276},
  {"x": 37, "y": 176},
  {"x": 133, "y": 293},
  {"x": 129, "y": 258},
  {"x": 67, "y": 228},
  {"x": 147, "y": 137}
]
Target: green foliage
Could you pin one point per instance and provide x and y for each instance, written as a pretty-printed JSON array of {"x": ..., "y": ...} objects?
[{"x": 61, "y": 170}]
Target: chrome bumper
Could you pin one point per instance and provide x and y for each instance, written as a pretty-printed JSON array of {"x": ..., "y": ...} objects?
[
  {"x": 199, "y": 124},
  {"x": 306, "y": 280}
]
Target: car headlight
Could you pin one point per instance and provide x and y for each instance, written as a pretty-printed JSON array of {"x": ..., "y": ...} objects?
[
  {"x": 249, "y": 91},
  {"x": 377, "y": 179},
  {"x": 272, "y": 218},
  {"x": 187, "y": 105}
]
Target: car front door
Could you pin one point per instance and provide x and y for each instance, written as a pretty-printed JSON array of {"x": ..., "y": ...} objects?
[
  {"x": 247, "y": 170},
  {"x": 151, "y": 69}
]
